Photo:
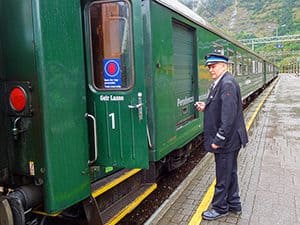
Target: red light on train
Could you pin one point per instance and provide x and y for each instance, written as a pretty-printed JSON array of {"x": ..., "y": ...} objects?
[{"x": 18, "y": 99}]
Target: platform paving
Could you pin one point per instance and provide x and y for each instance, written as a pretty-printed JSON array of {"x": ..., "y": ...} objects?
[{"x": 269, "y": 168}]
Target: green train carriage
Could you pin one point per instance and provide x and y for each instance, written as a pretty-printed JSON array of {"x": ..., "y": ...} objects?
[
  {"x": 46, "y": 144},
  {"x": 91, "y": 89}
]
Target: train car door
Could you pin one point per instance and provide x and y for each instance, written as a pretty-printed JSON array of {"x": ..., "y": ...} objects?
[{"x": 116, "y": 99}]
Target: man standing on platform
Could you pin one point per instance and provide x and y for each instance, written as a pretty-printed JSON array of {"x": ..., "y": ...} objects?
[{"x": 224, "y": 134}]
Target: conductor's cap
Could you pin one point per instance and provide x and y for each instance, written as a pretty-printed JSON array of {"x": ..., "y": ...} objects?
[{"x": 214, "y": 58}]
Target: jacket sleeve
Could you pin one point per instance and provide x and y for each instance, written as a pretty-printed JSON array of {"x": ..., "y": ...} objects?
[{"x": 229, "y": 107}]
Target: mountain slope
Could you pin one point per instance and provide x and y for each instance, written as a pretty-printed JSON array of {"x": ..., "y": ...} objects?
[{"x": 255, "y": 18}]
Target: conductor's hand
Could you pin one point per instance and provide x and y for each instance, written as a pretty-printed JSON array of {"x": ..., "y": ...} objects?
[
  {"x": 214, "y": 146},
  {"x": 200, "y": 106}
]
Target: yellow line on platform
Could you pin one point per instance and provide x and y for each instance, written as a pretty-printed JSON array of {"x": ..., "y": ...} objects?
[
  {"x": 251, "y": 120},
  {"x": 197, "y": 217}
]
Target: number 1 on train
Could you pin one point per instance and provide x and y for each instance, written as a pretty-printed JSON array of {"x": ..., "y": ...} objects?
[{"x": 112, "y": 115}]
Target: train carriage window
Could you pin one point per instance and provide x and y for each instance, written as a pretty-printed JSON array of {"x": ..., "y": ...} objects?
[
  {"x": 250, "y": 66},
  {"x": 245, "y": 68},
  {"x": 254, "y": 65},
  {"x": 231, "y": 65},
  {"x": 111, "y": 44},
  {"x": 260, "y": 67},
  {"x": 239, "y": 65}
]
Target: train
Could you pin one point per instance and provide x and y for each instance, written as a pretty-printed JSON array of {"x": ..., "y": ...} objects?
[{"x": 97, "y": 99}]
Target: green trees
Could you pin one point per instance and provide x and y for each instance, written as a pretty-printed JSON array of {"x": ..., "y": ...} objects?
[{"x": 254, "y": 19}]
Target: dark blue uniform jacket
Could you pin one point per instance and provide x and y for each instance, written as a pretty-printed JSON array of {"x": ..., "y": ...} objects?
[{"x": 224, "y": 123}]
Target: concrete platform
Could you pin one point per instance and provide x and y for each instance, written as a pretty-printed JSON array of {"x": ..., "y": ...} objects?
[{"x": 269, "y": 168}]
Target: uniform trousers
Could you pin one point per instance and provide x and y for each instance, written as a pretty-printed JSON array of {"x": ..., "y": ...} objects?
[{"x": 226, "y": 195}]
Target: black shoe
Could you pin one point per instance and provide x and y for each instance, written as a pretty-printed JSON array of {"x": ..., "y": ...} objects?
[
  {"x": 235, "y": 211},
  {"x": 212, "y": 214}
]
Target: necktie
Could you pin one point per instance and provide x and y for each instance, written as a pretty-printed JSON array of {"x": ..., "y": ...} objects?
[{"x": 211, "y": 87}]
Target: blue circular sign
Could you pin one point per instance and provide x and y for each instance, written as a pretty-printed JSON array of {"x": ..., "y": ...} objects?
[{"x": 112, "y": 68}]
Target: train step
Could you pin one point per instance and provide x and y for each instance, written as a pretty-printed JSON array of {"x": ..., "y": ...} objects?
[{"x": 116, "y": 196}]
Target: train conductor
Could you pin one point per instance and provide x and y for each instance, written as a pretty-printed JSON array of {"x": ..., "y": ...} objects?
[{"x": 224, "y": 134}]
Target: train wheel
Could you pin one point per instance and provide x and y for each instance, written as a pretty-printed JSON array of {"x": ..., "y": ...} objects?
[
  {"x": 6, "y": 216},
  {"x": 17, "y": 210}
]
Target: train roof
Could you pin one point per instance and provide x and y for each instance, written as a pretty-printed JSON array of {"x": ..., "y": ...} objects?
[{"x": 180, "y": 8}]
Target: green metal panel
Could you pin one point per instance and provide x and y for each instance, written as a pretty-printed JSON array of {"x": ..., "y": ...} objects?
[
  {"x": 17, "y": 36},
  {"x": 164, "y": 100},
  {"x": 3, "y": 129},
  {"x": 184, "y": 67},
  {"x": 61, "y": 81},
  {"x": 249, "y": 83},
  {"x": 165, "y": 74},
  {"x": 19, "y": 65},
  {"x": 34, "y": 38},
  {"x": 121, "y": 134}
]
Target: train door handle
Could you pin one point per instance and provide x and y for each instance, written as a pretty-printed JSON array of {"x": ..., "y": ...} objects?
[
  {"x": 89, "y": 116},
  {"x": 139, "y": 106}
]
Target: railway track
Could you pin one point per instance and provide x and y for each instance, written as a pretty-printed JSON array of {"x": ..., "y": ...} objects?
[{"x": 166, "y": 185}]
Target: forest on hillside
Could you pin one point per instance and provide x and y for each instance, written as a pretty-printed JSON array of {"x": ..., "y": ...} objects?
[
  {"x": 264, "y": 17},
  {"x": 252, "y": 19}
]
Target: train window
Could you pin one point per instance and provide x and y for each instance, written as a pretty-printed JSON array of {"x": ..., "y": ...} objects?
[
  {"x": 245, "y": 68},
  {"x": 260, "y": 67},
  {"x": 231, "y": 65},
  {"x": 254, "y": 65},
  {"x": 239, "y": 65},
  {"x": 231, "y": 68},
  {"x": 111, "y": 44},
  {"x": 248, "y": 66},
  {"x": 239, "y": 69}
]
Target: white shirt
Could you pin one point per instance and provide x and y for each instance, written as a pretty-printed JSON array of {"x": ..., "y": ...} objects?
[{"x": 217, "y": 80}]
